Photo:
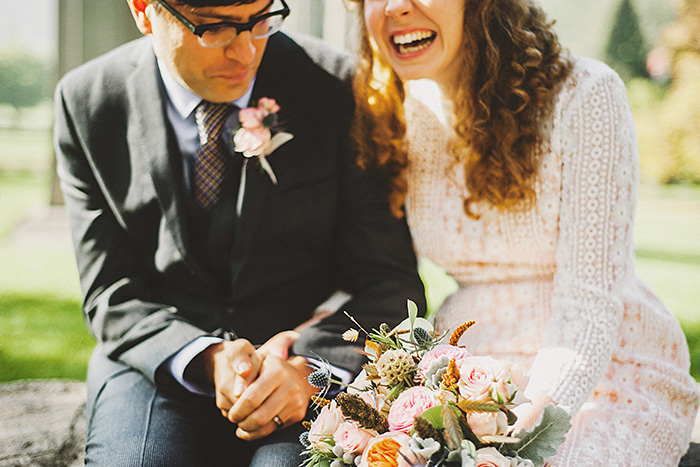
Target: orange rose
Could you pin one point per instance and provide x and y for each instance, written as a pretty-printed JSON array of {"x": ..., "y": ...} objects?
[{"x": 383, "y": 451}]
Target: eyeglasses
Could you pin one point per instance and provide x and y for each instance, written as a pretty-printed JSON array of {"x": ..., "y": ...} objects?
[{"x": 221, "y": 34}]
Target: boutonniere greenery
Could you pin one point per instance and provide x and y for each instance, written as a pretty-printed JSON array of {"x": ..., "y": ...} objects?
[{"x": 256, "y": 135}]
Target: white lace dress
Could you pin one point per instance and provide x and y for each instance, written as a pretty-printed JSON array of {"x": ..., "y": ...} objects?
[{"x": 553, "y": 287}]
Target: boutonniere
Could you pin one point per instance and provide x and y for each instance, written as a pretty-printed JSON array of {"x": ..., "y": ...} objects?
[{"x": 255, "y": 138}]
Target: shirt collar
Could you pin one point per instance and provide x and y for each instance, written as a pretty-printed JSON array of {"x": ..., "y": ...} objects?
[{"x": 184, "y": 101}]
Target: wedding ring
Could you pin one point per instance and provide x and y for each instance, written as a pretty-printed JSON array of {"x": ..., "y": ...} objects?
[{"x": 278, "y": 421}]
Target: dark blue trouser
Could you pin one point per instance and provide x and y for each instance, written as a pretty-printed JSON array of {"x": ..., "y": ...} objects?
[{"x": 133, "y": 423}]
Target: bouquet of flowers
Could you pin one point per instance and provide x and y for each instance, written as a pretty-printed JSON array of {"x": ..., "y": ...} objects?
[{"x": 421, "y": 402}]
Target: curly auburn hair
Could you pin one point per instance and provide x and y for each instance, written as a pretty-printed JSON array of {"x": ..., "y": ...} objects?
[{"x": 510, "y": 72}]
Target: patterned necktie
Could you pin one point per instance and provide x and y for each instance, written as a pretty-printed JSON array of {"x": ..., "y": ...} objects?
[{"x": 210, "y": 160}]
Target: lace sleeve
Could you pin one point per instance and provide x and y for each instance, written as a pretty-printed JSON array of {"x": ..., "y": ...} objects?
[{"x": 595, "y": 252}]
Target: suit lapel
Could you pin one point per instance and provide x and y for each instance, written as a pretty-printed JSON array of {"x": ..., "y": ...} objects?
[
  {"x": 257, "y": 183},
  {"x": 150, "y": 135}
]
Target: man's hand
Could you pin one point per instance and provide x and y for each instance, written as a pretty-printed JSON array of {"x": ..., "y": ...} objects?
[
  {"x": 230, "y": 366},
  {"x": 281, "y": 390},
  {"x": 233, "y": 366}
]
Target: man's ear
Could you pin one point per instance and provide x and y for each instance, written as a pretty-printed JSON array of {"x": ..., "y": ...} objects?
[{"x": 138, "y": 11}]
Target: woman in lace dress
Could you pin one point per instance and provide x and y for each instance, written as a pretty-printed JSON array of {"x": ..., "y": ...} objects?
[{"x": 517, "y": 165}]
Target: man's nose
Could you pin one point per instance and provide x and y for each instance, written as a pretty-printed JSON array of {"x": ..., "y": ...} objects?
[{"x": 242, "y": 49}]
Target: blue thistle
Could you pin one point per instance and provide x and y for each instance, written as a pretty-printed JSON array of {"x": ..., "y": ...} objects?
[
  {"x": 421, "y": 336},
  {"x": 304, "y": 439},
  {"x": 319, "y": 378}
]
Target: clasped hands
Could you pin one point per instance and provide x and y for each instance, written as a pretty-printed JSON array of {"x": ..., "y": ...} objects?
[{"x": 261, "y": 389}]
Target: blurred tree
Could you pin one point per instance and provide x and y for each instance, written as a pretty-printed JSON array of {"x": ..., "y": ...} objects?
[
  {"x": 22, "y": 79},
  {"x": 680, "y": 111},
  {"x": 627, "y": 48}
]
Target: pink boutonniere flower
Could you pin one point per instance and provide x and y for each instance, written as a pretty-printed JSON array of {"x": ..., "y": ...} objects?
[{"x": 255, "y": 138}]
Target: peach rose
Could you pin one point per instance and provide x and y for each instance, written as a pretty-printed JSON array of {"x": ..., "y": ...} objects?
[
  {"x": 490, "y": 457},
  {"x": 510, "y": 385},
  {"x": 327, "y": 422},
  {"x": 488, "y": 423},
  {"x": 351, "y": 437},
  {"x": 410, "y": 403},
  {"x": 486, "y": 379},
  {"x": 383, "y": 451}
]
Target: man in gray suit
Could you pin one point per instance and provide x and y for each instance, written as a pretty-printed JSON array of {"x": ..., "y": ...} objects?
[{"x": 201, "y": 268}]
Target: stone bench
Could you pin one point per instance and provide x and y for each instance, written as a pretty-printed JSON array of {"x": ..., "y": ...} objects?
[{"x": 42, "y": 424}]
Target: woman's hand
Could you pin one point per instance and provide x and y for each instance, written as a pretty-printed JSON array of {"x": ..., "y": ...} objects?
[{"x": 529, "y": 413}]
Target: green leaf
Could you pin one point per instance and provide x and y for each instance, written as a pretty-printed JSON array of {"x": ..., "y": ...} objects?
[
  {"x": 453, "y": 432},
  {"x": 412, "y": 312},
  {"x": 396, "y": 390},
  {"x": 434, "y": 416},
  {"x": 512, "y": 418},
  {"x": 468, "y": 406},
  {"x": 545, "y": 438}
]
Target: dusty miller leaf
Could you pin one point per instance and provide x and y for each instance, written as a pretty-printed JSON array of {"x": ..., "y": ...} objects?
[{"x": 545, "y": 438}]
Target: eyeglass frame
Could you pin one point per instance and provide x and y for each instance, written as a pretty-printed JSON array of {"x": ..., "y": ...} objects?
[{"x": 199, "y": 30}]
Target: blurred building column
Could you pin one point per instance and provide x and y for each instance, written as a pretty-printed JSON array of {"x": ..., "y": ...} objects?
[
  {"x": 327, "y": 19},
  {"x": 87, "y": 29}
]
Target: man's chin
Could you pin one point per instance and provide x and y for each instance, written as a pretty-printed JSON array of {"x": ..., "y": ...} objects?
[{"x": 224, "y": 93}]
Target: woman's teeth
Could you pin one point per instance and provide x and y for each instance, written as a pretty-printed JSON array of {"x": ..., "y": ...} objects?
[{"x": 413, "y": 41}]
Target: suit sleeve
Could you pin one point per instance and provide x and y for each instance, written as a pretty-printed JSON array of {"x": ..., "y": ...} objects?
[{"x": 118, "y": 305}]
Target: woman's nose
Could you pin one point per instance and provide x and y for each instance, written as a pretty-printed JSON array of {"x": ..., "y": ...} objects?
[{"x": 398, "y": 8}]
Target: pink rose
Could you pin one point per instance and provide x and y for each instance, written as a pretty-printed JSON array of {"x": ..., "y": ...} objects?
[
  {"x": 269, "y": 105},
  {"x": 383, "y": 451},
  {"x": 252, "y": 142},
  {"x": 351, "y": 437},
  {"x": 410, "y": 403},
  {"x": 251, "y": 117},
  {"x": 490, "y": 457},
  {"x": 327, "y": 422},
  {"x": 486, "y": 379},
  {"x": 459, "y": 354},
  {"x": 488, "y": 423}
]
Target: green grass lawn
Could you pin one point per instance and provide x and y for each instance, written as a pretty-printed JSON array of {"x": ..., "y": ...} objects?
[
  {"x": 42, "y": 332},
  {"x": 43, "y": 335}
]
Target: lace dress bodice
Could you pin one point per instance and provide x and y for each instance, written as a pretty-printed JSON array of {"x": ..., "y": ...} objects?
[{"x": 552, "y": 285}]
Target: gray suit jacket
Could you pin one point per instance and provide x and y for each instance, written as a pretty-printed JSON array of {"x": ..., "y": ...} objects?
[{"x": 325, "y": 226}]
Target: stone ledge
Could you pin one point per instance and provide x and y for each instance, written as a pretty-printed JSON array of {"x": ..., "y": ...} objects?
[{"x": 42, "y": 424}]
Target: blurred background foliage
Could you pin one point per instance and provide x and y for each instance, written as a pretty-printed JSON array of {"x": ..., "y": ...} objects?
[
  {"x": 654, "y": 45},
  {"x": 23, "y": 79}
]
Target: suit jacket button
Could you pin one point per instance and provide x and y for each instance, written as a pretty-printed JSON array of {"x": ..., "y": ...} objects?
[{"x": 230, "y": 310}]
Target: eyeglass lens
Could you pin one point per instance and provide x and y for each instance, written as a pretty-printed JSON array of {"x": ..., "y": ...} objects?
[{"x": 227, "y": 34}]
